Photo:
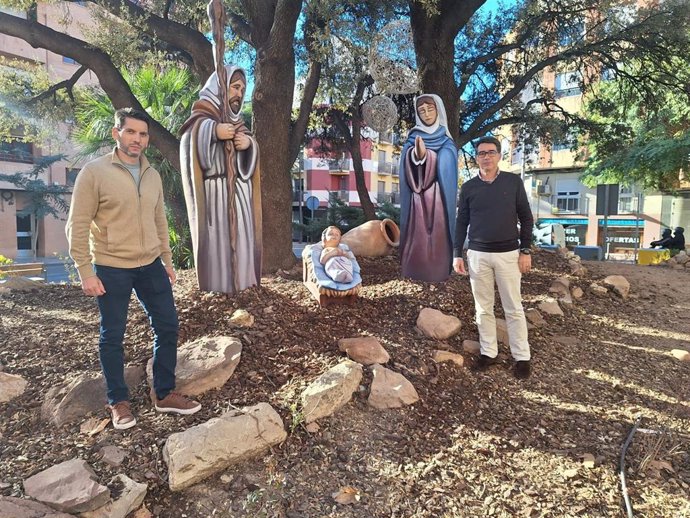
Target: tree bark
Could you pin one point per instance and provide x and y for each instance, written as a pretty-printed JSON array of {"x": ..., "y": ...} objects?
[
  {"x": 360, "y": 182},
  {"x": 434, "y": 43},
  {"x": 271, "y": 32}
]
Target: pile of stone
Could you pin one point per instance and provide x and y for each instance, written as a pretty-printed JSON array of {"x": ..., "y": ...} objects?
[{"x": 680, "y": 261}]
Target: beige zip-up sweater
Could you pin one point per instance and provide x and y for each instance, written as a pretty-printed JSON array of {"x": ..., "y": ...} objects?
[{"x": 114, "y": 222}]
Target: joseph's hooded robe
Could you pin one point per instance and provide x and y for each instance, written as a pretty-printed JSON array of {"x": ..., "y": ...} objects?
[{"x": 227, "y": 242}]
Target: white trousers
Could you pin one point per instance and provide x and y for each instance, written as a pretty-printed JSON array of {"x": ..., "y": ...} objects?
[{"x": 485, "y": 268}]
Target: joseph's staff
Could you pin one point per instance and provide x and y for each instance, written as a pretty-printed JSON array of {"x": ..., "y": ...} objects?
[{"x": 216, "y": 15}]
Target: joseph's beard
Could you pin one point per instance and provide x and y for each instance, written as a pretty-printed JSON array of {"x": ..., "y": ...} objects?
[{"x": 235, "y": 104}]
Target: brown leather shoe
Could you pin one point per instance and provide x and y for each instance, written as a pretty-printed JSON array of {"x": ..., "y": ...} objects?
[
  {"x": 122, "y": 415},
  {"x": 176, "y": 403}
]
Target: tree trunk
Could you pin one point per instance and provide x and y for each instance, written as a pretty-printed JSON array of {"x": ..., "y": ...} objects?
[
  {"x": 434, "y": 45},
  {"x": 356, "y": 152},
  {"x": 272, "y": 37}
]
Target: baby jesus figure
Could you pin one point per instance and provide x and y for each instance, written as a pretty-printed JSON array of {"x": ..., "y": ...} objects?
[{"x": 336, "y": 258}]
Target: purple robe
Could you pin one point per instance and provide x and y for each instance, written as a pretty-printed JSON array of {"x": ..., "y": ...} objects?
[{"x": 426, "y": 250}]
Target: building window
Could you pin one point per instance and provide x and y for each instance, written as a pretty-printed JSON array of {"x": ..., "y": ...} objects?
[
  {"x": 626, "y": 200},
  {"x": 566, "y": 142},
  {"x": 382, "y": 186},
  {"x": 567, "y": 84},
  {"x": 568, "y": 201},
  {"x": 570, "y": 34},
  {"x": 17, "y": 151}
]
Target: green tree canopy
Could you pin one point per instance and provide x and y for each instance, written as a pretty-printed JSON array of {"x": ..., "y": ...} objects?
[{"x": 636, "y": 136}]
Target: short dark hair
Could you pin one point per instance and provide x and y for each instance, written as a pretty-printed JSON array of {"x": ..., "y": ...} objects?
[
  {"x": 488, "y": 140},
  {"x": 124, "y": 113}
]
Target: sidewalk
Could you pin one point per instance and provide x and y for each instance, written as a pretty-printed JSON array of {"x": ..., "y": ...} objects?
[{"x": 56, "y": 269}]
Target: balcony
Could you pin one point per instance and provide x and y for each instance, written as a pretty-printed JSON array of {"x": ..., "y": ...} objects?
[
  {"x": 339, "y": 166},
  {"x": 385, "y": 168},
  {"x": 15, "y": 151},
  {"x": 342, "y": 195},
  {"x": 388, "y": 197}
]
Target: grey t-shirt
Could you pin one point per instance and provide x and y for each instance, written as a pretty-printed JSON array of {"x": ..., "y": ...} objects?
[{"x": 135, "y": 171}]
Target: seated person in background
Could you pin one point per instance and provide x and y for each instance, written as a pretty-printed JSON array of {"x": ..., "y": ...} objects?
[
  {"x": 336, "y": 260},
  {"x": 678, "y": 241},
  {"x": 664, "y": 241}
]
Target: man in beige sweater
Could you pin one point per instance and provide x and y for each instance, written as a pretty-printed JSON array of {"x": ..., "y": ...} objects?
[{"x": 118, "y": 239}]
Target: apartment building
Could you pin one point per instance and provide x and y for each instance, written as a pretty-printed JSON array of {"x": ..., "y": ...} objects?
[
  {"x": 330, "y": 175},
  {"x": 22, "y": 236},
  {"x": 552, "y": 175}
]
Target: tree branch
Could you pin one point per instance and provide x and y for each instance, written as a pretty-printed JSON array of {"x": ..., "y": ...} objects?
[
  {"x": 112, "y": 82},
  {"x": 67, "y": 84},
  {"x": 179, "y": 36}
]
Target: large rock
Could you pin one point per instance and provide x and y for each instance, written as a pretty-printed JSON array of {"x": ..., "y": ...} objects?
[
  {"x": 598, "y": 290},
  {"x": 560, "y": 287},
  {"x": 366, "y": 350},
  {"x": 681, "y": 354},
  {"x": 201, "y": 451},
  {"x": 618, "y": 284},
  {"x": 131, "y": 496},
  {"x": 204, "y": 364},
  {"x": 577, "y": 292},
  {"x": 11, "y": 386},
  {"x": 331, "y": 391},
  {"x": 534, "y": 317},
  {"x": 471, "y": 346},
  {"x": 435, "y": 324},
  {"x": 20, "y": 508},
  {"x": 390, "y": 389},
  {"x": 113, "y": 455},
  {"x": 440, "y": 356},
  {"x": 242, "y": 318},
  {"x": 70, "y": 486},
  {"x": 550, "y": 307},
  {"x": 83, "y": 394}
]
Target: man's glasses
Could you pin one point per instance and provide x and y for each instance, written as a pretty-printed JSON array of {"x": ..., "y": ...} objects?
[{"x": 482, "y": 154}]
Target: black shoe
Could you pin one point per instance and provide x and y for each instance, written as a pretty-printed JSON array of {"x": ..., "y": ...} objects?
[
  {"x": 484, "y": 362},
  {"x": 522, "y": 369}
]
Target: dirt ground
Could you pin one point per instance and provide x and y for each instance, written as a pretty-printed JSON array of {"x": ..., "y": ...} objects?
[{"x": 475, "y": 445}]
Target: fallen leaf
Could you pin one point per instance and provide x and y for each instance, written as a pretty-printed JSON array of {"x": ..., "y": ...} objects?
[
  {"x": 588, "y": 460},
  {"x": 93, "y": 425},
  {"x": 662, "y": 464},
  {"x": 570, "y": 473},
  {"x": 347, "y": 495},
  {"x": 143, "y": 512}
]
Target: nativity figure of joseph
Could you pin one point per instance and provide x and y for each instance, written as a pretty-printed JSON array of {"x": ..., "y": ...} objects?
[{"x": 221, "y": 180}]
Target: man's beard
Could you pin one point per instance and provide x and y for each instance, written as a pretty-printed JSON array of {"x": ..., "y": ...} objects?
[{"x": 235, "y": 104}]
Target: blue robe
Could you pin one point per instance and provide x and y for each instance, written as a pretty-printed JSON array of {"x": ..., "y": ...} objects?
[{"x": 447, "y": 177}]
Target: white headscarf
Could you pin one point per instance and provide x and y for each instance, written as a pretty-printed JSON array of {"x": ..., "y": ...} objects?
[
  {"x": 210, "y": 89},
  {"x": 441, "y": 118}
]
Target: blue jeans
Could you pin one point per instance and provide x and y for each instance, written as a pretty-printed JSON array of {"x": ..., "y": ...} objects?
[{"x": 152, "y": 287}]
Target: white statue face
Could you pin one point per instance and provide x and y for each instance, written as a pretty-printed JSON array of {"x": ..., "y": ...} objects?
[
  {"x": 332, "y": 237},
  {"x": 427, "y": 112}
]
